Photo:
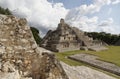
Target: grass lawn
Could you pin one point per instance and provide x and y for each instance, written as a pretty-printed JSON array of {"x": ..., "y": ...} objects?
[{"x": 111, "y": 55}]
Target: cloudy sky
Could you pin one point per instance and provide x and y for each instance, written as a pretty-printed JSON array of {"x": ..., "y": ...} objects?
[{"x": 87, "y": 15}]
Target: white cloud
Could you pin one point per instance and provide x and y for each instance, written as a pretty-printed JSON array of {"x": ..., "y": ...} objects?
[
  {"x": 78, "y": 17},
  {"x": 116, "y": 2},
  {"x": 109, "y": 11},
  {"x": 110, "y": 29},
  {"x": 107, "y": 22},
  {"x": 108, "y": 26},
  {"x": 107, "y": 29},
  {"x": 45, "y": 15},
  {"x": 41, "y": 13},
  {"x": 84, "y": 23}
]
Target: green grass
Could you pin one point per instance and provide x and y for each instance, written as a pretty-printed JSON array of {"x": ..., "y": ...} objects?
[
  {"x": 63, "y": 57},
  {"x": 111, "y": 55}
]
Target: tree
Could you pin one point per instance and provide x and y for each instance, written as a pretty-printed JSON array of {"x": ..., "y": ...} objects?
[
  {"x": 106, "y": 37},
  {"x": 36, "y": 36},
  {"x": 5, "y": 11}
]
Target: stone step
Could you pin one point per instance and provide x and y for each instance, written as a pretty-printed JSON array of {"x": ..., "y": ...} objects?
[{"x": 83, "y": 72}]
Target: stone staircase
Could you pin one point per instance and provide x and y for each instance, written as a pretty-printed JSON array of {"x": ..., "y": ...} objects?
[
  {"x": 81, "y": 36},
  {"x": 91, "y": 44}
]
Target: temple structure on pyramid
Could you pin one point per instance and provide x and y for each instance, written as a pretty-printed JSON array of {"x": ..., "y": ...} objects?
[{"x": 67, "y": 38}]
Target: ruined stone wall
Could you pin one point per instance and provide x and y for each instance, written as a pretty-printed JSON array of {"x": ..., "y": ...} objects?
[
  {"x": 67, "y": 38},
  {"x": 19, "y": 53},
  {"x": 15, "y": 36},
  {"x": 67, "y": 47},
  {"x": 62, "y": 39}
]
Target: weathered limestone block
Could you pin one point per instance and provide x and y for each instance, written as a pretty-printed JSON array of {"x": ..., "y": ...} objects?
[
  {"x": 34, "y": 46},
  {"x": 9, "y": 48},
  {"x": 7, "y": 67},
  {"x": 20, "y": 56},
  {"x": 13, "y": 75},
  {"x": 2, "y": 49},
  {"x": 27, "y": 78},
  {"x": 3, "y": 40},
  {"x": 24, "y": 40},
  {"x": 0, "y": 65},
  {"x": 21, "y": 31}
]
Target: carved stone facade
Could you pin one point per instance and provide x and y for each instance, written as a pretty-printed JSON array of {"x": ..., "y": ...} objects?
[{"x": 66, "y": 38}]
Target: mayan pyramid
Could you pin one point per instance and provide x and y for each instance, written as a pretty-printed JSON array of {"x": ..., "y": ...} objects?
[{"x": 67, "y": 38}]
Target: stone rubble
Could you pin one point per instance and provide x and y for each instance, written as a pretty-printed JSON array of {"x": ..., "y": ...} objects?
[
  {"x": 20, "y": 57},
  {"x": 7, "y": 67},
  {"x": 12, "y": 75}
]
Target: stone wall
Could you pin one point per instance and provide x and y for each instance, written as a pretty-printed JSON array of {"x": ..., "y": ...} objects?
[{"x": 19, "y": 53}]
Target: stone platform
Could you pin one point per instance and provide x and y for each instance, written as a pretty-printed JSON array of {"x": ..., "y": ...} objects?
[
  {"x": 93, "y": 61},
  {"x": 83, "y": 72},
  {"x": 97, "y": 48}
]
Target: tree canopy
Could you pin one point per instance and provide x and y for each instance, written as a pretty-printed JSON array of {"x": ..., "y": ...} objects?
[
  {"x": 110, "y": 39},
  {"x": 36, "y": 36},
  {"x": 5, "y": 11}
]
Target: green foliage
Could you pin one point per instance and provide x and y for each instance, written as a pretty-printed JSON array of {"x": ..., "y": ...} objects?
[
  {"x": 36, "y": 36},
  {"x": 5, "y": 11},
  {"x": 106, "y": 37}
]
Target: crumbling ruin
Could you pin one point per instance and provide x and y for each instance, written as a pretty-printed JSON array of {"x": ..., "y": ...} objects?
[
  {"x": 67, "y": 38},
  {"x": 20, "y": 57}
]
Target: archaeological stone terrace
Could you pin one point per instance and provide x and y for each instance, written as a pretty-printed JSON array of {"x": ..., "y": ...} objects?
[
  {"x": 67, "y": 38},
  {"x": 20, "y": 57},
  {"x": 95, "y": 62}
]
